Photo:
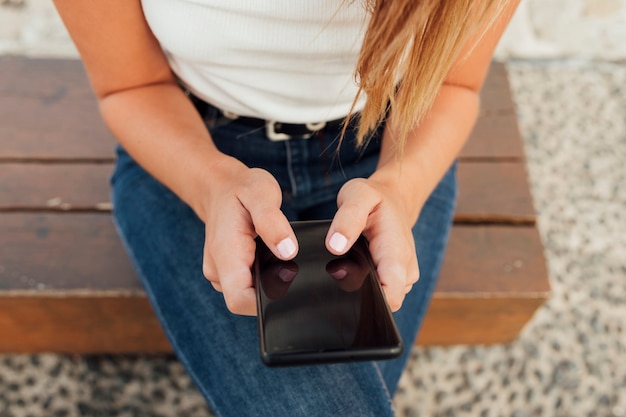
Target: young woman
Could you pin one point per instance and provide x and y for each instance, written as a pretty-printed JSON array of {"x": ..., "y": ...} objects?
[{"x": 235, "y": 117}]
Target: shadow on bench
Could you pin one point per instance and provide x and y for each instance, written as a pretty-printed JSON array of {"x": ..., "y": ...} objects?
[{"x": 66, "y": 284}]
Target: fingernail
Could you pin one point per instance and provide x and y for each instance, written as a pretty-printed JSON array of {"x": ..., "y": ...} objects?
[
  {"x": 286, "y": 248},
  {"x": 338, "y": 242}
]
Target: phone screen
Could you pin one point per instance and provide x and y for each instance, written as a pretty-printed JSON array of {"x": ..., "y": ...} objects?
[{"x": 321, "y": 308}]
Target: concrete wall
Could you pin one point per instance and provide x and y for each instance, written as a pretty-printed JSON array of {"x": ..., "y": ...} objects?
[
  {"x": 32, "y": 27},
  {"x": 586, "y": 29}
]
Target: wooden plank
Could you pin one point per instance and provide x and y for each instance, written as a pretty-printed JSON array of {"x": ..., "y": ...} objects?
[
  {"x": 66, "y": 285},
  {"x": 496, "y": 101},
  {"x": 65, "y": 128},
  {"x": 78, "y": 251},
  {"x": 87, "y": 324},
  {"x": 54, "y": 187},
  {"x": 47, "y": 111},
  {"x": 490, "y": 260},
  {"x": 489, "y": 192},
  {"x": 82, "y": 252},
  {"x": 494, "y": 192},
  {"x": 494, "y": 136},
  {"x": 105, "y": 324},
  {"x": 497, "y": 78},
  {"x": 476, "y": 321},
  {"x": 71, "y": 128},
  {"x": 495, "y": 96},
  {"x": 43, "y": 78}
]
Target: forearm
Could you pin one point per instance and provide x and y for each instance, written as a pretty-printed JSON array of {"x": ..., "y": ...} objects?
[
  {"x": 433, "y": 145},
  {"x": 161, "y": 129},
  {"x": 430, "y": 149}
]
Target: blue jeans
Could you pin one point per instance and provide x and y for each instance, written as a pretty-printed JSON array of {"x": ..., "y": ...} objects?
[{"x": 164, "y": 239}]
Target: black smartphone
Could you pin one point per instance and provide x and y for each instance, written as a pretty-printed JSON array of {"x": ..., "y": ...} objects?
[{"x": 321, "y": 308}]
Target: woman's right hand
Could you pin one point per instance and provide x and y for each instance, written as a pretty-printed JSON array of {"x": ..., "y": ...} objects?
[{"x": 240, "y": 204}]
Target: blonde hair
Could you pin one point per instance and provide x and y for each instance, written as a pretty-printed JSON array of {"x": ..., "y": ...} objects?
[{"x": 408, "y": 49}]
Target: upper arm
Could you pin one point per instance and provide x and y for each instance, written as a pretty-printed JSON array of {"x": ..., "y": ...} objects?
[
  {"x": 115, "y": 43},
  {"x": 470, "y": 68}
]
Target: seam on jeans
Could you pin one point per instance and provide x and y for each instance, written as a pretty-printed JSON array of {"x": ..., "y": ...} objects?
[
  {"x": 384, "y": 385},
  {"x": 292, "y": 177}
]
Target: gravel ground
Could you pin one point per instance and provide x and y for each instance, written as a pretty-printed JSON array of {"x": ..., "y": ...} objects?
[{"x": 565, "y": 363}]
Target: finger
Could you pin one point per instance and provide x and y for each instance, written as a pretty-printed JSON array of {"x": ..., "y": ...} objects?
[
  {"x": 392, "y": 278},
  {"x": 396, "y": 264},
  {"x": 233, "y": 258},
  {"x": 263, "y": 203},
  {"x": 393, "y": 252},
  {"x": 413, "y": 271},
  {"x": 208, "y": 266},
  {"x": 356, "y": 200},
  {"x": 236, "y": 285},
  {"x": 274, "y": 229}
]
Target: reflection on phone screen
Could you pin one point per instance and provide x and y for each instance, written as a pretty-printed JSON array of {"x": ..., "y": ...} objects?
[{"x": 321, "y": 303}]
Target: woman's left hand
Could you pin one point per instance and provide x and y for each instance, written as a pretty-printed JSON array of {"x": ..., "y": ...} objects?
[{"x": 377, "y": 209}]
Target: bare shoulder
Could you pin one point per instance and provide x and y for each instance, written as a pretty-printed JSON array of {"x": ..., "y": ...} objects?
[{"x": 115, "y": 43}]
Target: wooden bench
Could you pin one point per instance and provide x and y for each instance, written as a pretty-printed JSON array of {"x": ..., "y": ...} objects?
[{"x": 66, "y": 284}]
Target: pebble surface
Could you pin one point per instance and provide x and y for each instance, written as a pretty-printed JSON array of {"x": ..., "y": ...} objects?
[{"x": 571, "y": 359}]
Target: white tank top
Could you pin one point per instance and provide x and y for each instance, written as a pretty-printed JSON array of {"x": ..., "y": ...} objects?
[{"x": 287, "y": 60}]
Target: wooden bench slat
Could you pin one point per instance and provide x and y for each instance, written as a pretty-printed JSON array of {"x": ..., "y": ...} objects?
[
  {"x": 496, "y": 192},
  {"x": 87, "y": 324},
  {"x": 71, "y": 128},
  {"x": 495, "y": 96},
  {"x": 494, "y": 260},
  {"x": 47, "y": 112},
  {"x": 91, "y": 300},
  {"x": 52, "y": 135},
  {"x": 494, "y": 137},
  {"x": 63, "y": 252},
  {"x": 104, "y": 324},
  {"x": 47, "y": 77},
  {"x": 476, "y": 321},
  {"x": 32, "y": 129},
  {"x": 496, "y": 101},
  {"x": 54, "y": 187},
  {"x": 68, "y": 128},
  {"x": 497, "y": 79},
  {"x": 47, "y": 251}
]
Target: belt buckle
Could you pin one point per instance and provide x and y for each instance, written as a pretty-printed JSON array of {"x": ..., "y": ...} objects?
[{"x": 272, "y": 134}]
